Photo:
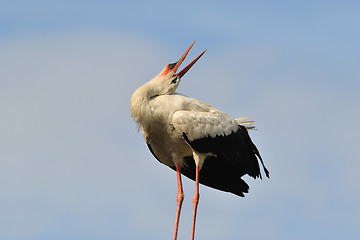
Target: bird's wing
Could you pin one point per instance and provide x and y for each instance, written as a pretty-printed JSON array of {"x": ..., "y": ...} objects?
[
  {"x": 216, "y": 132},
  {"x": 197, "y": 125}
]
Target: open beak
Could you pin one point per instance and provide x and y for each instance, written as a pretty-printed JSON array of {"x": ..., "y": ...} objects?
[{"x": 175, "y": 66}]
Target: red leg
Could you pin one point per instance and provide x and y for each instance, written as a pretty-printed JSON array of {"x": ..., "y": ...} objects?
[
  {"x": 195, "y": 201},
  {"x": 179, "y": 199}
]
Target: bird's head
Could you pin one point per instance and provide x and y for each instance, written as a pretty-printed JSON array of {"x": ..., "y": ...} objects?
[{"x": 168, "y": 79}]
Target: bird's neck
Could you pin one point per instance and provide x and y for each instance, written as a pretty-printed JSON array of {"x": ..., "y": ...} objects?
[{"x": 139, "y": 103}]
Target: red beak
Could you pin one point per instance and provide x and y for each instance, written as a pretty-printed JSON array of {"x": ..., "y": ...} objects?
[{"x": 175, "y": 66}]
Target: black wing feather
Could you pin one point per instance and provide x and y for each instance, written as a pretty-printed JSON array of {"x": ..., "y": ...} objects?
[
  {"x": 236, "y": 148},
  {"x": 216, "y": 173}
]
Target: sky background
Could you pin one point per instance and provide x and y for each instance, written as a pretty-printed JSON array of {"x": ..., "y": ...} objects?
[{"x": 72, "y": 165}]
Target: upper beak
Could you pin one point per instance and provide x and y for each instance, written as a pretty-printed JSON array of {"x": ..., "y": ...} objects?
[{"x": 175, "y": 66}]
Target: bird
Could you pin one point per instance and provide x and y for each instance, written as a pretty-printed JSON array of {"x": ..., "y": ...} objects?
[{"x": 194, "y": 138}]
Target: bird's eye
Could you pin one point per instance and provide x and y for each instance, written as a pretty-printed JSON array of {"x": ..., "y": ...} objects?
[{"x": 173, "y": 81}]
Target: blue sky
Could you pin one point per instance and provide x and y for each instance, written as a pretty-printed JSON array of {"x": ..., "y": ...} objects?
[{"x": 72, "y": 165}]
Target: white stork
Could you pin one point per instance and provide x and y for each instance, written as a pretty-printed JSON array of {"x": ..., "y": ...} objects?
[{"x": 189, "y": 135}]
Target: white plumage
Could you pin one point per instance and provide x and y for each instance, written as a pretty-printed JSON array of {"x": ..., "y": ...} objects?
[
  {"x": 204, "y": 124},
  {"x": 189, "y": 135}
]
